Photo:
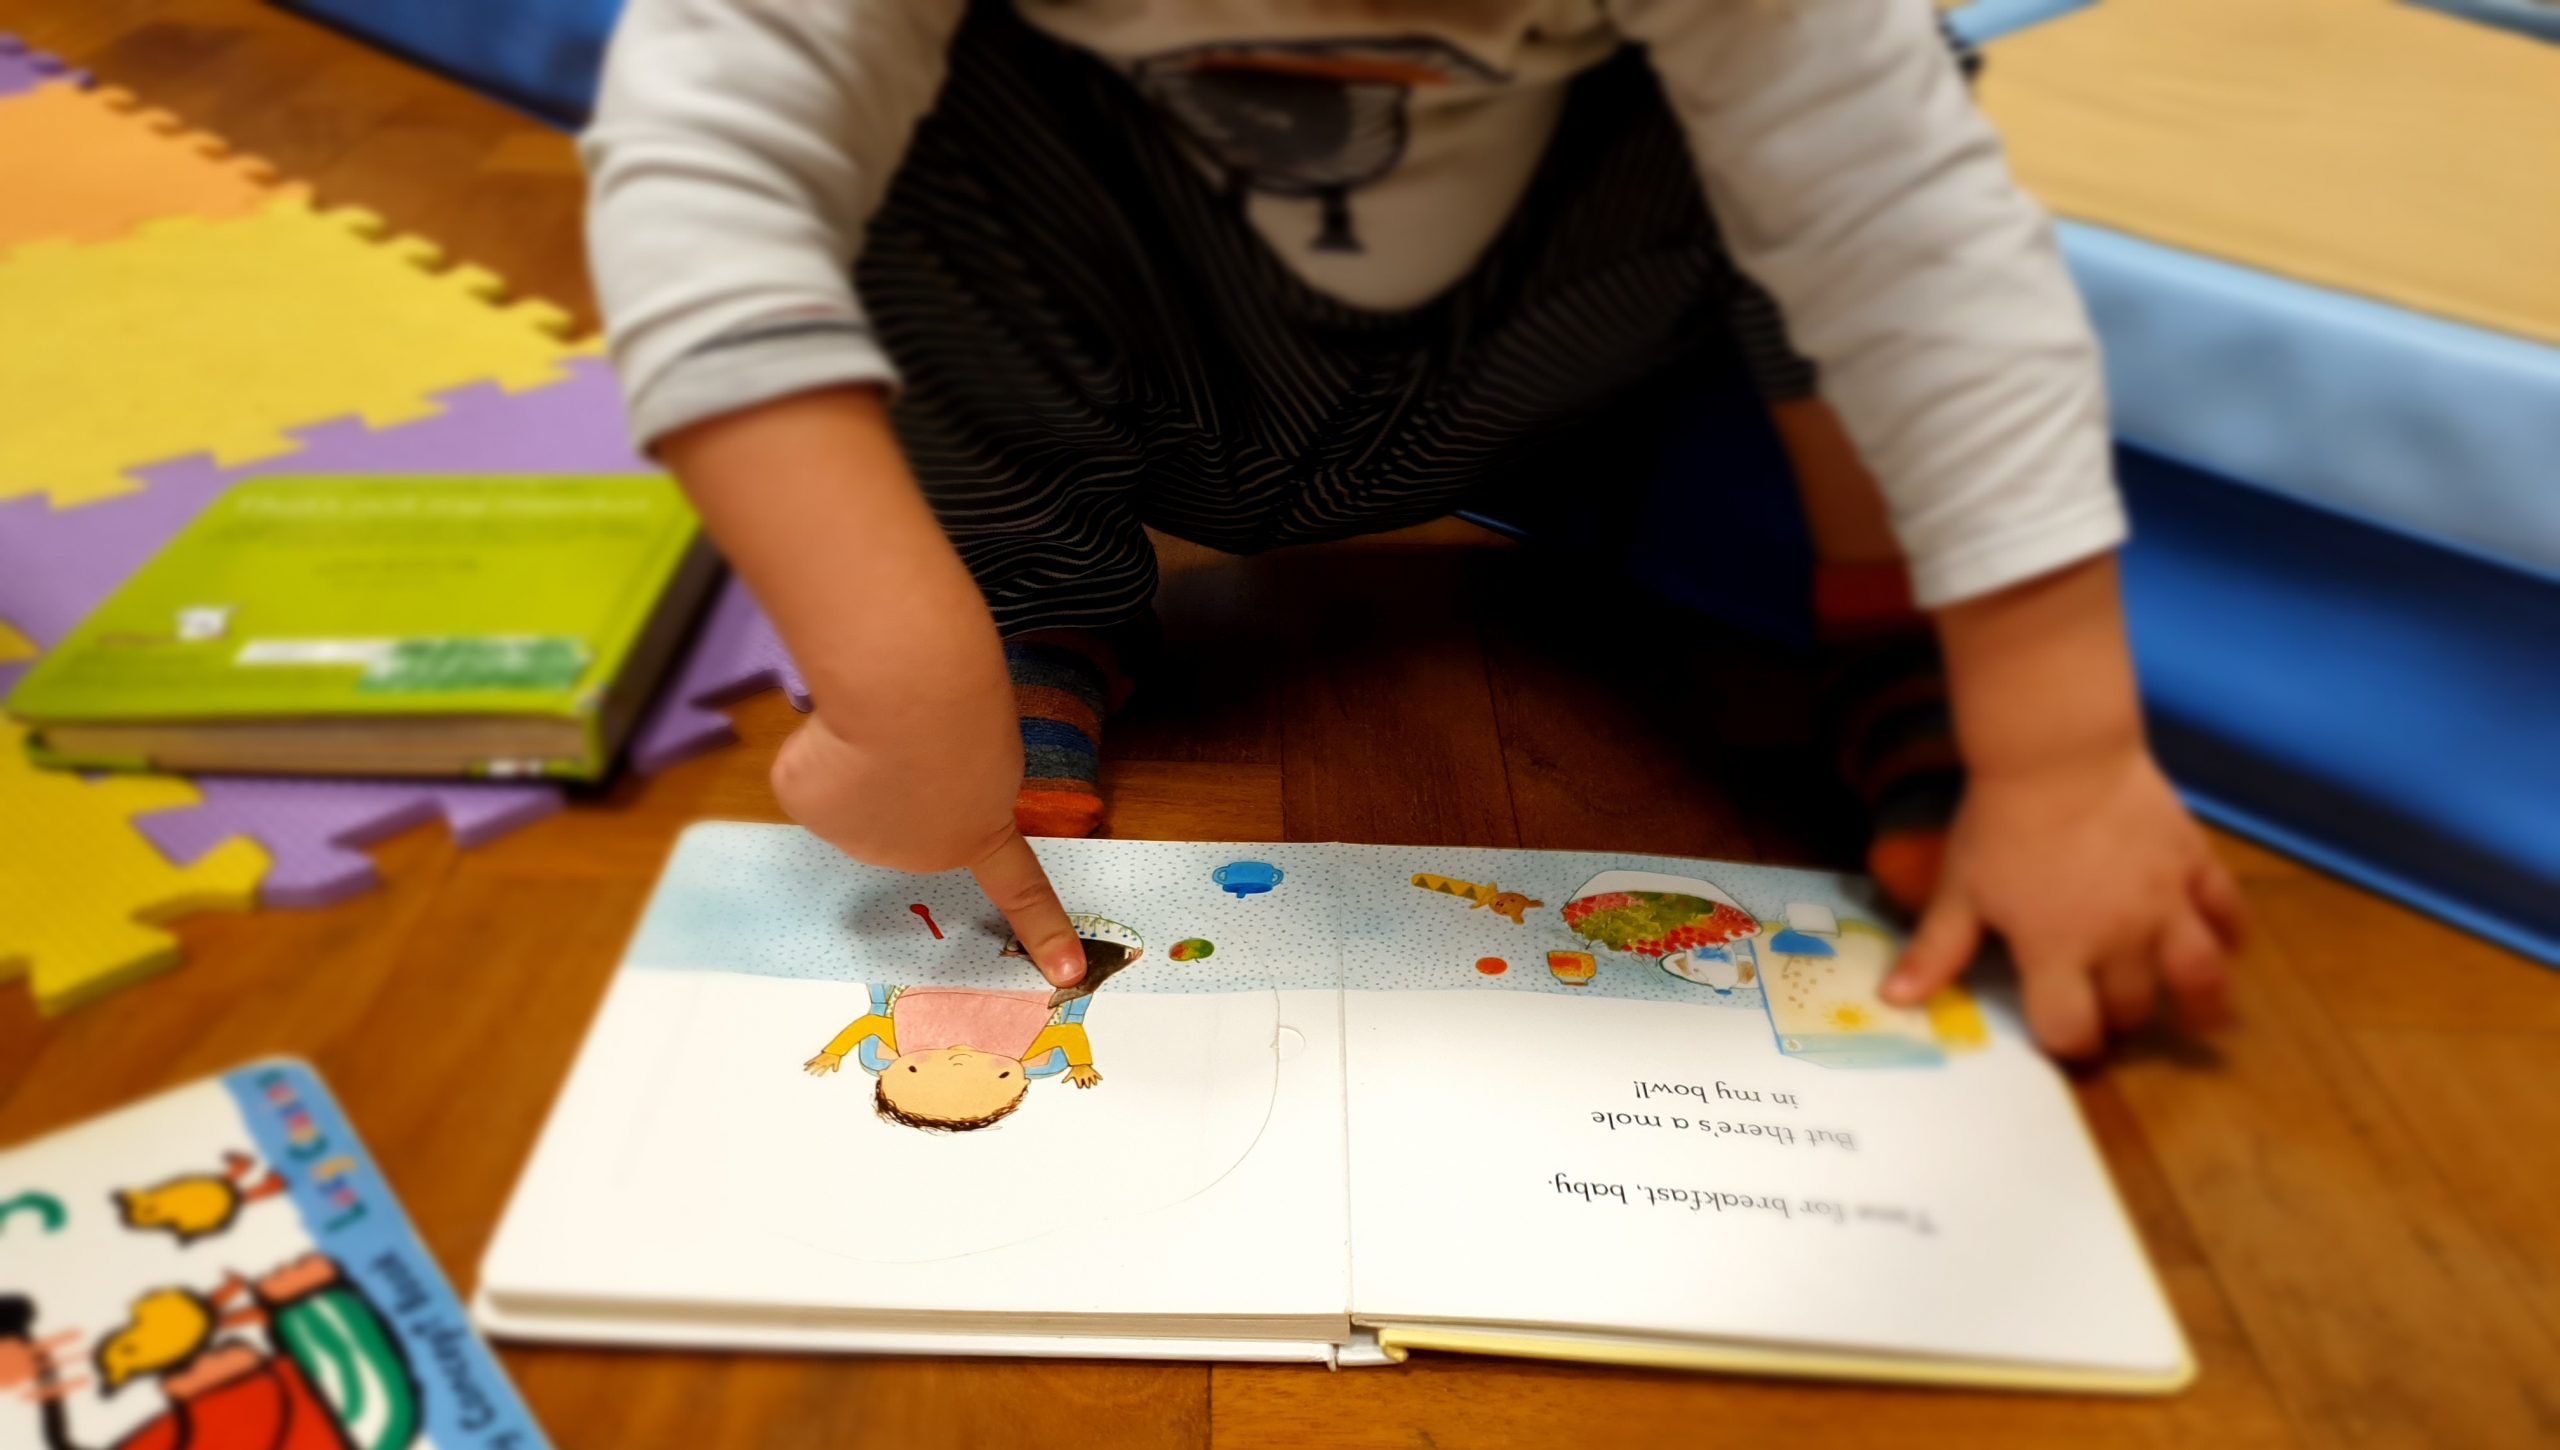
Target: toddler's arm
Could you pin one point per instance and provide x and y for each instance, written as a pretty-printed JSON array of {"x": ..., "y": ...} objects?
[
  {"x": 1853, "y": 177},
  {"x": 738, "y": 149},
  {"x": 1070, "y": 1037}
]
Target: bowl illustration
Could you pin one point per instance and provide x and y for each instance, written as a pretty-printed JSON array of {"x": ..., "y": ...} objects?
[
  {"x": 1691, "y": 928},
  {"x": 1247, "y": 878}
]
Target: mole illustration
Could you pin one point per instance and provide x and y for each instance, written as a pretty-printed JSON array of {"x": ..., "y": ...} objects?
[
  {"x": 1510, "y": 905},
  {"x": 1241, "y": 879}
]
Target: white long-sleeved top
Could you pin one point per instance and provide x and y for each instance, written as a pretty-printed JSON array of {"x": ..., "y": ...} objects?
[{"x": 740, "y": 147}]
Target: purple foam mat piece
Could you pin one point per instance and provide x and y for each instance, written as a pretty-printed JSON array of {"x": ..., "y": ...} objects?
[
  {"x": 23, "y": 68},
  {"x": 62, "y": 562},
  {"x": 735, "y": 654},
  {"x": 57, "y": 565},
  {"x": 314, "y": 830}
]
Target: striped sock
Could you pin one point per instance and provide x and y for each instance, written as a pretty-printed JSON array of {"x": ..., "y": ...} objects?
[
  {"x": 1064, "y": 682},
  {"x": 1885, "y": 698}
]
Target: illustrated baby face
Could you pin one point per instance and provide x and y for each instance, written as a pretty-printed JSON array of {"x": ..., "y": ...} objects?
[{"x": 952, "y": 1088}]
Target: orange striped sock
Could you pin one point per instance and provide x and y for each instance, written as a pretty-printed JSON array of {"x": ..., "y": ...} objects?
[{"x": 1064, "y": 683}]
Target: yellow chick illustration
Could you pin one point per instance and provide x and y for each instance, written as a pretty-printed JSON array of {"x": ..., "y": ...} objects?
[
  {"x": 167, "y": 1328},
  {"x": 197, "y": 1205}
]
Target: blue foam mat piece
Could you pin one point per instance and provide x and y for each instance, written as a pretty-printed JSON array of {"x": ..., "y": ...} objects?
[
  {"x": 544, "y": 56},
  {"x": 2411, "y": 422},
  {"x": 2383, "y": 708}
]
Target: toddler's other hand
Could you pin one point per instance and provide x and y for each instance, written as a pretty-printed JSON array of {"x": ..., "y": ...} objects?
[{"x": 2103, "y": 888}]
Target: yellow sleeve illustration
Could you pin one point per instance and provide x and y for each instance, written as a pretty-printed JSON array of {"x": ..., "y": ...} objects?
[
  {"x": 872, "y": 1024},
  {"x": 1067, "y": 1035}
]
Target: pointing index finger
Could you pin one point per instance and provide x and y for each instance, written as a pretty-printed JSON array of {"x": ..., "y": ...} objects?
[{"x": 1011, "y": 877}]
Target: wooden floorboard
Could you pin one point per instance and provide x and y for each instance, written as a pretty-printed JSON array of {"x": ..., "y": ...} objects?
[{"x": 2353, "y": 1197}]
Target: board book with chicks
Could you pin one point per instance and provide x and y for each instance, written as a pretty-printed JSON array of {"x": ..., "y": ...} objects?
[
  {"x": 222, "y": 1267},
  {"x": 1328, "y": 1102}
]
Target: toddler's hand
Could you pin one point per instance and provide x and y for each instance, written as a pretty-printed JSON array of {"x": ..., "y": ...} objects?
[
  {"x": 914, "y": 757},
  {"x": 934, "y": 799},
  {"x": 2104, "y": 889},
  {"x": 925, "y": 781}
]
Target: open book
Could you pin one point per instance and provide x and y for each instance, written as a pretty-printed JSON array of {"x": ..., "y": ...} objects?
[{"x": 1332, "y": 1103}]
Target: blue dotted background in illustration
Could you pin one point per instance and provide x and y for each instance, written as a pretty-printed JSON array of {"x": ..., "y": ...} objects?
[{"x": 775, "y": 901}]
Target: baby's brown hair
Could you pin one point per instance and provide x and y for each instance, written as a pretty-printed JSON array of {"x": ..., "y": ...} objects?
[{"x": 890, "y": 1112}]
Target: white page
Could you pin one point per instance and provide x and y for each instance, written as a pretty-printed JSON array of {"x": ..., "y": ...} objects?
[
  {"x": 676, "y": 1331},
  {"x": 1534, "y": 1153},
  {"x": 692, "y": 1161}
]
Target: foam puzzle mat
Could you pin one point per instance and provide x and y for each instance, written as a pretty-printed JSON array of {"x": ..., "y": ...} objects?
[
  {"x": 82, "y": 165},
  {"x": 314, "y": 829},
  {"x": 184, "y": 319},
  {"x": 82, "y": 895},
  {"x": 23, "y": 68},
  {"x": 194, "y": 336}
]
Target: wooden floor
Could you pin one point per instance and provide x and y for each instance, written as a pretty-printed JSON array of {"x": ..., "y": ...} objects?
[{"x": 2354, "y": 1195}]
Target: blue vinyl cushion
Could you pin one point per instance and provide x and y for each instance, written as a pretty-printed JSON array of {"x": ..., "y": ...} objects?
[
  {"x": 2378, "y": 706},
  {"x": 2431, "y": 427}
]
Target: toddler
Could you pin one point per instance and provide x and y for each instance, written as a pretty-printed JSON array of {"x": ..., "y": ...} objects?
[{"x": 936, "y": 307}]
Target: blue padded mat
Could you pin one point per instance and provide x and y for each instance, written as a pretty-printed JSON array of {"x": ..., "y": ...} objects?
[
  {"x": 2380, "y": 707},
  {"x": 2412, "y": 422}
]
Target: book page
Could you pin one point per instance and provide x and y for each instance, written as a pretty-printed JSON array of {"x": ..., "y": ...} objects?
[
  {"x": 816, "y": 1089},
  {"x": 1655, "y": 1097}
]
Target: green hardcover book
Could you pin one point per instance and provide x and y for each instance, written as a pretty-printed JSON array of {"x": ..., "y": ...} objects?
[{"x": 384, "y": 626}]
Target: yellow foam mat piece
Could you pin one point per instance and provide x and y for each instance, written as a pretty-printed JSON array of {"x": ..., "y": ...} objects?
[
  {"x": 13, "y": 645},
  {"x": 82, "y": 892},
  {"x": 191, "y": 336},
  {"x": 2377, "y": 148},
  {"x": 87, "y": 166}
]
